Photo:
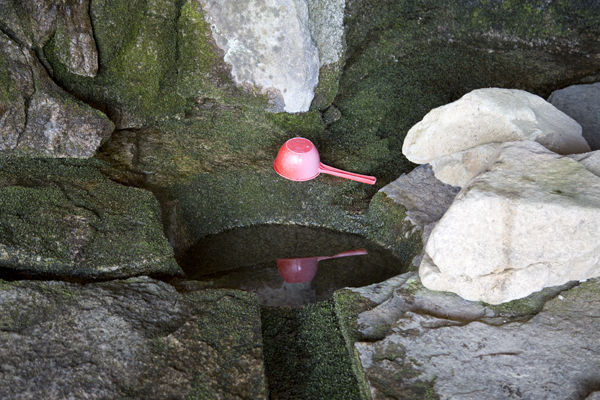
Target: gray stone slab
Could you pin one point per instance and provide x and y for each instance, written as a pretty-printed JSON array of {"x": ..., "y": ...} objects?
[{"x": 132, "y": 339}]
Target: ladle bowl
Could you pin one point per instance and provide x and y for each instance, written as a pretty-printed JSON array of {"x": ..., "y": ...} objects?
[
  {"x": 298, "y": 160},
  {"x": 298, "y": 270}
]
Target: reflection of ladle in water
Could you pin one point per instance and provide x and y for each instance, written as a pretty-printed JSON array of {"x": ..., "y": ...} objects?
[{"x": 296, "y": 270}]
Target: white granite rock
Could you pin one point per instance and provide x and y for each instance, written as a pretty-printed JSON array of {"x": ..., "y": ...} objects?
[
  {"x": 269, "y": 46},
  {"x": 492, "y": 115},
  {"x": 532, "y": 220},
  {"x": 459, "y": 168},
  {"x": 582, "y": 103},
  {"x": 327, "y": 28},
  {"x": 591, "y": 161}
]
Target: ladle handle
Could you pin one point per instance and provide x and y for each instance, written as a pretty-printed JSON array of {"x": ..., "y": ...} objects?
[
  {"x": 326, "y": 169},
  {"x": 357, "y": 252}
]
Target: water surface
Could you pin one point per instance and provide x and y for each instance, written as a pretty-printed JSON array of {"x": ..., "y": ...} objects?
[{"x": 246, "y": 258}]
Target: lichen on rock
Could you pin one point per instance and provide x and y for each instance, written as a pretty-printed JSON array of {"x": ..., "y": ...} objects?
[{"x": 64, "y": 219}]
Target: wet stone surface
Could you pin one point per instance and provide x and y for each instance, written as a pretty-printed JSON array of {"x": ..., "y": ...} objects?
[{"x": 283, "y": 266}]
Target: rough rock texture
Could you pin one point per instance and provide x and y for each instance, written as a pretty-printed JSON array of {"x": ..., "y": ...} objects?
[
  {"x": 424, "y": 197},
  {"x": 63, "y": 218},
  {"x": 138, "y": 58},
  {"x": 591, "y": 161},
  {"x": 530, "y": 221},
  {"x": 459, "y": 168},
  {"x": 268, "y": 44},
  {"x": 75, "y": 39},
  {"x": 414, "y": 343},
  {"x": 582, "y": 103},
  {"x": 404, "y": 293},
  {"x": 326, "y": 22},
  {"x": 33, "y": 22},
  {"x": 305, "y": 356},
  {"x": 405, "y": 58},
  {"x": 492, "y": 115},
  {"x": 39, "y": 118},
  {"x": 131, "y": 339}
]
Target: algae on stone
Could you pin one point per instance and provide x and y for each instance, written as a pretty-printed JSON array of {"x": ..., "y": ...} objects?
[
  {"x": 348, "y": 305},
  {"x": 63, "y": 218},
  {"x": 32, "y": 23},
  {"x": 405, "y": 58},
  {"x": 157, "y": 61},
  {"x": 305, "y": 355},
  {"x": 390, "y": 227},
  {"x": 137, "y": 53}
]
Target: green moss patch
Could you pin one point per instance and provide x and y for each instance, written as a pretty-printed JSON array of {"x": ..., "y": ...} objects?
[
  {"x": 348, "y": 305},
  {"x": 327, "y": 89},
  {"x": 405, "y": 58},
  {"x": 305, "y": 355},
  {"x": 388, "y": 226},
  {"x": 62, "y": 217},
  {"x": 246, "y": 197}
]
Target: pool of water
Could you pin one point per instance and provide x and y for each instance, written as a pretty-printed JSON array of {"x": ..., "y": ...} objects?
[{"x": 279, "y": 262}]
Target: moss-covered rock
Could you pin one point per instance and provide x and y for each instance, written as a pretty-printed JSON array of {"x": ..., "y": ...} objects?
[
  {"x": 31, "y": 23},
  {"x": 137, "y": 52},
  {"x": 389, "y": 225},
  {"x": 156, "y": 61},
  {"x": 63, "y": 218},
  {"x": 327, "y": 89},
  {"x": 405, "y": 58},
  {"x": 348, "y": 305},
  {"x": 213, "y": 139},
  {"x": 305, "y": 356},
  {"x": 131, "y": 339},
  {"x": 241, "y": 198}
]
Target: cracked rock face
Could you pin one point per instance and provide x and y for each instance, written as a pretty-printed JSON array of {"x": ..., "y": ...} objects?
[
  {"x": 423, "y": 343},
  {"x": 63, "y": 218},
  {"x": 269, "y": 45},
  {"x": 33, "y": 22},
  {"x": 132, "y": 339},
  {"x": 37, "y": 117}
]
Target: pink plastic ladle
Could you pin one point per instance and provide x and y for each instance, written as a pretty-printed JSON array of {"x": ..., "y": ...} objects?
[
  {"x": 297, "y": 270},
  {"x": 298, "y": 160}
]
